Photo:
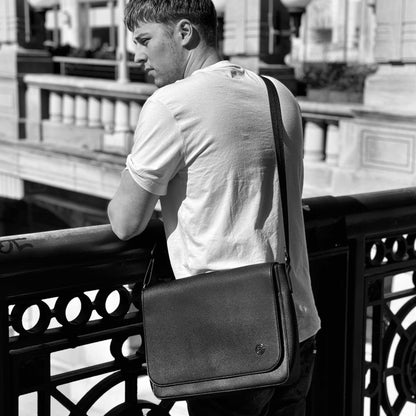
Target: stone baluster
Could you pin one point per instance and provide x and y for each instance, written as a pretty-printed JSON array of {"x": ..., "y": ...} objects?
[
  {"x": 68, "y": 116},
  {"x": 55, "y": 106},
  {"x": 94, "y": 111},
  {"x": 135, "y": 109},
  {"x": 107, "y": 115},
  {"x": 36, "y": 107},
  {"x": 122, "y": 114},
  {"x": 120, "y": 140},
  {"x": 314, "y": 141},
  {"x": 11, "y": 186},
  {"x": 81, "y": 110},
  {"x": 332, "y": 144}
]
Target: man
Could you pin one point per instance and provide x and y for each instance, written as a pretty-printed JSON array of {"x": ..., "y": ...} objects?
[{"x": 204, "y": 146}]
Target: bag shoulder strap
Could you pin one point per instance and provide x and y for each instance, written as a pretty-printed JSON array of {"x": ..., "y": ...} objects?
[{"x": 278, "y": 134}]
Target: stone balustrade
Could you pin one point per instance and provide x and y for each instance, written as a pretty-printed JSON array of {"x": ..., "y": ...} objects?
[
  {"x": 323, "y": 144},
  {"x": 322, "y": 129},
  {"x": 102, "y": 114},
  {"x": 98, "y": 115},
  {"x": 87, "y": 116}
]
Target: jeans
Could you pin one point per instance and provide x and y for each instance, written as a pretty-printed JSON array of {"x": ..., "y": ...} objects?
[{"x": 269, "y": 401}]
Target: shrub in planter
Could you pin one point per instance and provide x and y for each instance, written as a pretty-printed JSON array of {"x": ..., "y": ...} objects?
[{"x": 336, "y": 81}]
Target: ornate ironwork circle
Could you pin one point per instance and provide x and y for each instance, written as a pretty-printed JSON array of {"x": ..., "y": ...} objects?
[
  {"x": 122, "y": 308},
  {"x": 403, "y": 368},
  {"x": 16, "y": 318},
  {"x": 405, "y": 359},
  {"x": 396, "y": 249},
  {"x": 83, "y": 316},
  {"x": 375, "y": 252},
  {"x": 116, "y": 346}
]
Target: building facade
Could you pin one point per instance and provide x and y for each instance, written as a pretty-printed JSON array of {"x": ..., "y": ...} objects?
[{"x": 70, "y": 134}]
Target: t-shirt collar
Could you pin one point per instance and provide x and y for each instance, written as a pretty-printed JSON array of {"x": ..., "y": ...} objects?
[{"x": 225, "y": 64}]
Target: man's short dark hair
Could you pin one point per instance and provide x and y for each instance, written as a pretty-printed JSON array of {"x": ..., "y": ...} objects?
[{"x": 201, "y": 13}]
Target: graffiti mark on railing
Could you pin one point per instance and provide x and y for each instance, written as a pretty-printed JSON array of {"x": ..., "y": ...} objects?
[{"x": 8, "y": 246}]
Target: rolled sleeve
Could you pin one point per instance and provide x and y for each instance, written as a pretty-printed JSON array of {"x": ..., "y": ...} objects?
[{"x": 156, "y": 156}]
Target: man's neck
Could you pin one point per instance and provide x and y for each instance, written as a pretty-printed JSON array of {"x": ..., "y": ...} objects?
[{"x": 199, "y": 59}]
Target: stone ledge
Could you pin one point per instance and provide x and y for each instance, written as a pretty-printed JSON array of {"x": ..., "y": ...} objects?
[
  {"x": 83, "y": 171},
  {"x": 88, "y": 86}
]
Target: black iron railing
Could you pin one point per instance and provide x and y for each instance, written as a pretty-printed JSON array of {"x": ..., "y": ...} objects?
[
  {"x": 46, "y": 274},
  {"x": 363, "y": 258},
  {"x": 362, "y": 254}
]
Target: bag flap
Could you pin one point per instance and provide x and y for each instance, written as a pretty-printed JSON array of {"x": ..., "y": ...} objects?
[{"x": 213, "y": 326}]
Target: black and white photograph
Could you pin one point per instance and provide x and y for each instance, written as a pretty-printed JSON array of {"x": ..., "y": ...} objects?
[{"x": 208, "y": 207}]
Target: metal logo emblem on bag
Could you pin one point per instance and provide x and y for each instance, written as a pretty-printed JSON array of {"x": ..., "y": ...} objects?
[{"x": 260, "y": 349}]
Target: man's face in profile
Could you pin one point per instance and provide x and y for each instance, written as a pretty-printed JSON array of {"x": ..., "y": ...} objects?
[{"x": 159, "y": 51}]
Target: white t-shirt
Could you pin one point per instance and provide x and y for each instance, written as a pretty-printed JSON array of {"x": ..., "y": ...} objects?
[{"x": 205, "y": 145}]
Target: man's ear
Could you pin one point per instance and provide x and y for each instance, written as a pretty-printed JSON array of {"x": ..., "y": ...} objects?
[{"x": 188, "y": 33}]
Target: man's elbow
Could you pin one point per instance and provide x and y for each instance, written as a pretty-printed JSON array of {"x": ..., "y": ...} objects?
[
  {"x": 123, "y": 228},
  {"x": 123, "y": 234}
]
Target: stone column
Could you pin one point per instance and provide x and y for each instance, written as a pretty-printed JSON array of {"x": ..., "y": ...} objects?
[
  {"x": 249, "y": 39},
  {"x": 353, "y": 27},
  {"x": 123, "y": 70},
  {"x": 394, "y": 85},
  {"x": 70, "y": 19},
  {"x": 21, "y": 37},
  {"x": 368, "y": 24},
  {"x": 338, "y": 22}
]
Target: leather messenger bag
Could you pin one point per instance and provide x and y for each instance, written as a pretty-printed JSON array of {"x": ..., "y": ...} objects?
[{"x": 227, "y": 330}]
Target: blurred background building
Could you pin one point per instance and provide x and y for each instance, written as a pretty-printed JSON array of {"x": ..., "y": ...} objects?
[{"x": 71, "y": 96}]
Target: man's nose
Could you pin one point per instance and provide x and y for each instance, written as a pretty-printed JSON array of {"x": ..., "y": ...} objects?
[{"x": 139, "y": 56}]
